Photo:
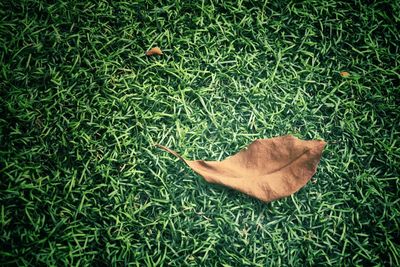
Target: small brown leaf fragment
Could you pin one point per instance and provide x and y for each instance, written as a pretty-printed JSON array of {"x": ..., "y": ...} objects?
[
  {"x": 344, "y": 74},
  {"x": 268, "y": 169},
  {"x": 154, "y": 51}
]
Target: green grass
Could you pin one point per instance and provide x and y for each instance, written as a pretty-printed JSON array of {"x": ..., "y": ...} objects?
[{"x": 82, "y": 106}]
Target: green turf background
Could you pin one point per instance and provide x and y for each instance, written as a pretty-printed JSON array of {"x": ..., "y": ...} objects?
[{"x": 82, "y": 184}]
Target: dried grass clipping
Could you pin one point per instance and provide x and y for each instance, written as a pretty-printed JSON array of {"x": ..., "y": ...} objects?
[{"x": 268, "y": 169}]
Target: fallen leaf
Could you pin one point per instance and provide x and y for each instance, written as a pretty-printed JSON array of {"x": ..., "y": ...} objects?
[
  {"x": 268, "y": 169},
  {"x": 344, "y": 74},
  {"x": 154, "y": 51}
]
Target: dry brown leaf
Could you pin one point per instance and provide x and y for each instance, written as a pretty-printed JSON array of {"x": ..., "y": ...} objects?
[
  {"x": 344, "y": 74},
  {"x": 154, "y": 51},
  {"x": 268, "y": 169}
]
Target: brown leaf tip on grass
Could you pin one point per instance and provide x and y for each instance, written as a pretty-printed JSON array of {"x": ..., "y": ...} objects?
[
  {"x": 154, "y": 51},
  {"x": 344, "y": 74},
  {"x": 268, "y": 169}
]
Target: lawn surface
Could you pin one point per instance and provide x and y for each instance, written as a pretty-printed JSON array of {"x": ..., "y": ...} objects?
[{"x": 82, "y": 107}]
